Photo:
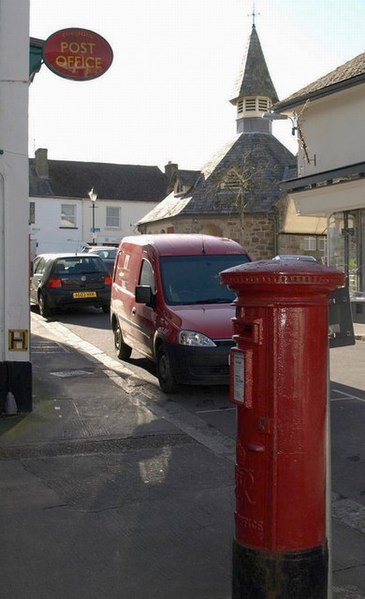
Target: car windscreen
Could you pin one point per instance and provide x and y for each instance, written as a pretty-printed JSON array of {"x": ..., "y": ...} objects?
[
  {"x": 78, "y": 264},
  {"x": 195, "y": 279}
]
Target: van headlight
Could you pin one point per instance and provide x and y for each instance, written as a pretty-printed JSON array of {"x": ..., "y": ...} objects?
[{"x": 194, "y": 338}]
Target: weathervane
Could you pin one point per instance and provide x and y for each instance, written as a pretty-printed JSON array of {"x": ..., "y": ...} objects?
[{"x": 253, "y": 14}]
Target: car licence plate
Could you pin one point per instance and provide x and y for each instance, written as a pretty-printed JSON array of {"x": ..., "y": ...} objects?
[{"x": 79, "y": 294}]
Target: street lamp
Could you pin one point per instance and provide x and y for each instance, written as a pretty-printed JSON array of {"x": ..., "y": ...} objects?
[
  {"x": 92, "y": 195},
  {"x": 278, "y": 116}
]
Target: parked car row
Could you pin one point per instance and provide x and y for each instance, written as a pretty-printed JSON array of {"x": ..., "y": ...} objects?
[
  {"x": 68, "y": 280},
  {"x": 105, "y": 252},
  {"x": 164, "y": 296}
]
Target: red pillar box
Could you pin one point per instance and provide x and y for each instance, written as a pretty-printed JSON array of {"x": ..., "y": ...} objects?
[{"x": 279, "y": 384}]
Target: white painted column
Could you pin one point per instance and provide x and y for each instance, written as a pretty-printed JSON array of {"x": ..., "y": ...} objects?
[{"x": 14, "y": 198}]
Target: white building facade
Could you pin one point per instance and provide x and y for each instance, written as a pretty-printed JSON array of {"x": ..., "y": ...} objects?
[
  {"x": 55, "y": 225},
  {"x": 331, "y": 166},
  {"x": 73, "y": 204},
  {"x": 15, "y": 366}
]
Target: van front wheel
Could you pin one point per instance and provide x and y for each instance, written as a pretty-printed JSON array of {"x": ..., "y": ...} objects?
[
  {"x": 165, "y": 377},
  {"x": 122, "y": 350}
]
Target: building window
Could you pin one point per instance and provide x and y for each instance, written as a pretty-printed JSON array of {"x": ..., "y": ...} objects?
[
  {"x": 179, "y": 187},
  {"x": 113, "y": 217},
  {"x": 240, "y": 106},
  {"x": 31, "y": 213},
  {"x": 231, "y": 181},
  {"x": 310, "y": 244},
  {"x": 68, "y": 216},
  {"x": 322, "y": 245}
]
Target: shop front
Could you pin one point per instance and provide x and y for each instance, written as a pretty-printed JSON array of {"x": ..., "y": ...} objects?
[{"x": 338, "y": 196}]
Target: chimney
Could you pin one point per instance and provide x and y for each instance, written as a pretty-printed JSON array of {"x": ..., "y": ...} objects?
[
  {"x": 41, "y": 163},
  {"x": 171, "y": 174}
]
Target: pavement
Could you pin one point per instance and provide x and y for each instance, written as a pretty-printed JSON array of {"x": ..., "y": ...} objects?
[{"x": 108, "y": 495}]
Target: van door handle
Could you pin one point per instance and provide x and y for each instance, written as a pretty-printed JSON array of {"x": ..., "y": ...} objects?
[{"x": 133, "y": 310}]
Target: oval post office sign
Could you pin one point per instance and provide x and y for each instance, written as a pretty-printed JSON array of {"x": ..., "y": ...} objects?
[{"x": 78, "y": 54}]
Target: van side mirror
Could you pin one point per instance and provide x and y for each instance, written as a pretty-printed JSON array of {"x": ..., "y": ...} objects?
[{"x": 144, "y": 295}]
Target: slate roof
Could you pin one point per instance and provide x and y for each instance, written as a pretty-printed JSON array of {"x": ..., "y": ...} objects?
[
  {"x": 254, "y": 77},
  {"x": 187, "y": 177},
  {"x": 347, "y": 75},
  {"x": 171, "y": 206},
  {"x": 110, "y": 181},
  {"x": 261, "y": 159}
]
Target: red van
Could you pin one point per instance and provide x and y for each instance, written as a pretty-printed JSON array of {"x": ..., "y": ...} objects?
[{"x": 167, "y": 303}]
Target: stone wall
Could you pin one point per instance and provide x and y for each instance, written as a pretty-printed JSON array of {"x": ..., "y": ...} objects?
[{"x": 257, "y": 237}]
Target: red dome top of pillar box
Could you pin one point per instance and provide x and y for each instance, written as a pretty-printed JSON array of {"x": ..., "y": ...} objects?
[{"x": 266, "y": 276}]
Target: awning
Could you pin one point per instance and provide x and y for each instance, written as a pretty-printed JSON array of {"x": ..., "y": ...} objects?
[
  {"x": 323, "y": 193},
  {"x": 305, "y": 225},
  {"x": 324, "y": 201}
]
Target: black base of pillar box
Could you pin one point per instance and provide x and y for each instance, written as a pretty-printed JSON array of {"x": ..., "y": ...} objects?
[
  {"x": 290, "y": 575},
  {"x": 16, "y": 377}
]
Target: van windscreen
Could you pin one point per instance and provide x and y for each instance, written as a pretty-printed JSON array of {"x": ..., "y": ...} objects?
[{"x": 195, "y": 279}]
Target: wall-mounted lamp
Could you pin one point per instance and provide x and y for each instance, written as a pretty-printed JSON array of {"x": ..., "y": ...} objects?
[{"x": 278, "y": 116}]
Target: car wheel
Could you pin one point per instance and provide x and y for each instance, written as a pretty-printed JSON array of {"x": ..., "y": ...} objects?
[
  {"x": 122, "y": 350},
  {"x": 165, "y": 377},
  {"x": 44, "y": 309}
]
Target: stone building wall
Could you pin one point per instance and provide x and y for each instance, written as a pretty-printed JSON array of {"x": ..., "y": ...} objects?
[
  {"x": 290, "y": 244},
  {"x": 261, "y": 234},
  {"x": 257, "y": 238}
]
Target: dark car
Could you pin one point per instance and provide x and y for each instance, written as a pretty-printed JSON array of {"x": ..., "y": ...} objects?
[
  {"x": 68, "y": 280},
  {"x": 105, "y": 252}
]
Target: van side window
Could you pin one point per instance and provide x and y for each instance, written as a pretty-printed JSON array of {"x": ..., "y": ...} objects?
[
  {"x": 121, "y": 271},
  {"x": 147, "y": 276}
]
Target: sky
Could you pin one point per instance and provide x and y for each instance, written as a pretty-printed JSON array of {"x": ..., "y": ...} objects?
[{"x": 166, "y": 96}]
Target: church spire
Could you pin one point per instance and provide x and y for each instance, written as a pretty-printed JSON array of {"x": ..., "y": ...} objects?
[{"x": 254, "y": 92}]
